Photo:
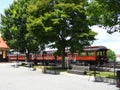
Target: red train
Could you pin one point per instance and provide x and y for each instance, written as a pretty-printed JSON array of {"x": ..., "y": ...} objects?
[{"x": 89, "y": 55}]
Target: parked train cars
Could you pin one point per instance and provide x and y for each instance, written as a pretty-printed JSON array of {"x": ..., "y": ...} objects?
[
  {"x": 89, "y": 55},
  {"x": 93, "y": 55}
]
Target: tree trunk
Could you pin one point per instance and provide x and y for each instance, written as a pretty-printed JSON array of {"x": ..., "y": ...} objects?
[
  {"x": 63, "y": 56},
  {"x": 27, "y": 56}
]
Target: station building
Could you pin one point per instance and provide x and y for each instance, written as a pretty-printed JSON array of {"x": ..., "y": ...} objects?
[{"x": 4, "y": 48}]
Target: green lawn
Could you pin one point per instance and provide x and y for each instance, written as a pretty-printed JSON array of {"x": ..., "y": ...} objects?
[
  {"x": 99, "y": 74},
  {"x": 104, "y": 74}
]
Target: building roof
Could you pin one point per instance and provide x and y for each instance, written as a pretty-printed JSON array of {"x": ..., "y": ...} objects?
[{"x": 3, "y": 45}]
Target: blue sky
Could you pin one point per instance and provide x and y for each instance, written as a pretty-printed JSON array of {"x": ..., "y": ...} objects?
[
  {"x": 4, "y": 4},
  {"x": 103, "y": 38}
]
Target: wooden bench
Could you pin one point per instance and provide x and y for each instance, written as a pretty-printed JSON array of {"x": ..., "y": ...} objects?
[
  {"x": 82, "y": 70},
  {"x": 47, "y": 71},
  {"x": 54, "y": 72}
]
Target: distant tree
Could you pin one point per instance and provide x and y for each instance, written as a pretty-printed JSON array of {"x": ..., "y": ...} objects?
[
  {"x": 61, "y": 22},
  {"x": 111, "y": 55}
]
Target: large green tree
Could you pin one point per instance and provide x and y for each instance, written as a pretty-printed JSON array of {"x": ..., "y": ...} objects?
[
  {"x": 61, "y": 22},
  {"x": 14, "y": 29},
  {"x": 105, "y": 13}
]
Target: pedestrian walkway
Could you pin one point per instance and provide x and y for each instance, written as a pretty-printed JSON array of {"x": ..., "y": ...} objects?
[{"x": 23, "y": 78}]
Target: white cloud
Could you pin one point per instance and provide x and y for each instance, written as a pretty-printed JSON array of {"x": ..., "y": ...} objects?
[{"x": 111, "y": 41}]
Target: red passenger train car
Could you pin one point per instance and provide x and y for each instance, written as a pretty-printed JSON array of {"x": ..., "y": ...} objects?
[
  {"x": 93, "y": 55},
  {"x": 89, "y": 55}
]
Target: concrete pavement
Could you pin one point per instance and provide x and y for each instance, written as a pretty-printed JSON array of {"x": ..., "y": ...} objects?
[{"x": 23, "y": 79}]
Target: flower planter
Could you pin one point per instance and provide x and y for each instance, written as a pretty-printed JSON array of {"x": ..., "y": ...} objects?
[
  {"x": 98, "y": 79},
  {"x": 106, "y": 80},
  {"x": 112, "y": 81}
]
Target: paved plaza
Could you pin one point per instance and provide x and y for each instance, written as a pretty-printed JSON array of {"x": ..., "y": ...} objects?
[{"x": 23, "y": 78}]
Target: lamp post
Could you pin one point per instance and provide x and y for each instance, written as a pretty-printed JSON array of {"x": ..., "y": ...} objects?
[
  {"x": 114, "y": 68},
  {"x": 43, "y": 56},
  {"x": 95, "y": 71}
]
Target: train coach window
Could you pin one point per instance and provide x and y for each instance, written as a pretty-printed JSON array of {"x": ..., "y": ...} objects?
[
  {"x": 90, "y": 53},
  {"x": 101, "y": 53},
  {"x": 83, "y": 54},
  {"x": 75, "y": 54}
]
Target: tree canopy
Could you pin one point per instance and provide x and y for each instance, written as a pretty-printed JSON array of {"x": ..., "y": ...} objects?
[
  {"x": 28, "y": 24},
  {"x": 63, "y": 23},
  {"x": 106, "y": 14},
  {"x": 14, "y": 29}
]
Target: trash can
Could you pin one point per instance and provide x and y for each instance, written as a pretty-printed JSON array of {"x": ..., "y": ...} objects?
[{"x": 118, "y": 79}]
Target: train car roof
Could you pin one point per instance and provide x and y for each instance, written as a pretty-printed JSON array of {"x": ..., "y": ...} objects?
[{"x": 95, "y": 48}]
